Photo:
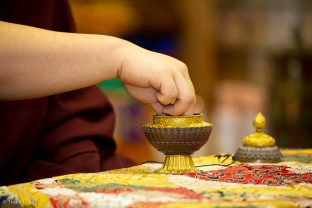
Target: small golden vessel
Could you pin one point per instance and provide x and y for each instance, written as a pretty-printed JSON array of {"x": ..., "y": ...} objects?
[
  {"x": 178, "y": 137},
  {"x": 258, "y": 147}
]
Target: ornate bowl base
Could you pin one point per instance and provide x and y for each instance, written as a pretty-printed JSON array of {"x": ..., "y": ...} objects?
[
  {"x": 177, "y": 164},
  {"x": 258, "y": 154}
]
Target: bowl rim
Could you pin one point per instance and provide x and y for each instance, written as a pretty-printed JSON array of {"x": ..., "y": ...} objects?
[
  {"x": 182, "y": 116},
  {"x": 174, "y": 121}
]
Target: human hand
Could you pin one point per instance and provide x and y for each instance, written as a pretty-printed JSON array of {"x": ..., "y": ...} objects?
[
  {"x": 67, "y": 61},
  {"x": 157, "y": 79}
]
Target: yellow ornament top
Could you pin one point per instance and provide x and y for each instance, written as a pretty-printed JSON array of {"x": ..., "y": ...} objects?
[{"x": 259, "y": 139}]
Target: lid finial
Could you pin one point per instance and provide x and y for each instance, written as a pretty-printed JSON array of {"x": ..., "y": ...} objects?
[{"x": 259, "y": 138}]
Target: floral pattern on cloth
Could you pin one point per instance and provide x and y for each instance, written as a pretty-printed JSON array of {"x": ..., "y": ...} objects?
[
  {"x": 273, "y": 175},
  {"x": 223, "y": 182}
]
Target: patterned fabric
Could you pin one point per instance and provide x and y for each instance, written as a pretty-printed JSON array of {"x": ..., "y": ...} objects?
[
  {"x": 222, "y": 183},
  {"x": 274, "y": 175}
]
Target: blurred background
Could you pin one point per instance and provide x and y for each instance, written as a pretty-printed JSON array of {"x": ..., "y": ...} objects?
[{"x": 244, "y": 57}]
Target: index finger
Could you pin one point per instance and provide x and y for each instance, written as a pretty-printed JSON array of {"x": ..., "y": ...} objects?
[{"x": 186, "y": 96}]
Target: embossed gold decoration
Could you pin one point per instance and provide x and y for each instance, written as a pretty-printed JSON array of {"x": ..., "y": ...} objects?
[
  {"x": 195, "y": 120},
  {"x": 259, "y": 139},
  {"x": 258, "y": 147},
  {"x": 178, "y": 137}
]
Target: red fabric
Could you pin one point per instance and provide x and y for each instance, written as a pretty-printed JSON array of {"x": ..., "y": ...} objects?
[
  {"x": 60, "y": 134},
  {"x": 273, "y": 175},
  {"x": 47, "y": 14}
]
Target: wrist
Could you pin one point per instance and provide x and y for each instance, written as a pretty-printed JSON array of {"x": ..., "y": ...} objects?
[
  {"x": 118, "y": 53},
  {"x": 122, "y": 56}
]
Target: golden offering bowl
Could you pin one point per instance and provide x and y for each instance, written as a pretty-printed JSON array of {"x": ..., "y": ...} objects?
[{"x": 178, "y": 137}]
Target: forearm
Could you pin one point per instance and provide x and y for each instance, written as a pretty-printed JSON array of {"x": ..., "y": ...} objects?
[{"x": 36, "y": 62}]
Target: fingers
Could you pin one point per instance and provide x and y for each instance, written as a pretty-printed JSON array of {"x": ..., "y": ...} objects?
[
  {"x": 145, "y": 95},
  {"x": 158, "y": 108},
  {"x": 186, "y": 96},
  {"x": 168, "y": 92},
  {"x": 159, "y": 80}
]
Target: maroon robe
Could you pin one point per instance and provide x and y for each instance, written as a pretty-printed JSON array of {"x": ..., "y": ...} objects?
[{"x": 60, "y": 134}]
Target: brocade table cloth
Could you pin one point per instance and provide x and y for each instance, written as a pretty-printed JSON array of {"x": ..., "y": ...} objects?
[{"x": 223, "y": 182}]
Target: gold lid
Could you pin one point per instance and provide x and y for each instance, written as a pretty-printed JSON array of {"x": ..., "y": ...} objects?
[
  {"x": 195, "y": 120},
  {"x": 259, "y": 139}
]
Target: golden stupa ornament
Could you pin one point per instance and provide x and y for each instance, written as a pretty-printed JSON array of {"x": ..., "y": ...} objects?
[
  {"x": 258, "y": 147},
  {"x": 178, "y": 137}
]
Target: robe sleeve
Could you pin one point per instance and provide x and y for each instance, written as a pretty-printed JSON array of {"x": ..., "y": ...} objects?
[{"x": 77, "y": 136}]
